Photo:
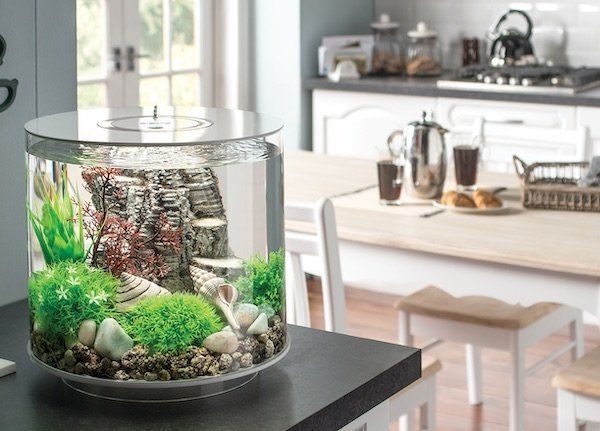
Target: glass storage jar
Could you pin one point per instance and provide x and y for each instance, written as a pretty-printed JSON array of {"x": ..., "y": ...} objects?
[
  {"x": 423, "y": 55},
  {"x": 156, "y": 249},
  {"x": 387, "y": 49}
]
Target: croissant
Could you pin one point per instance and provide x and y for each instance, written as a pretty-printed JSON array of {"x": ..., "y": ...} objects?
[
  {"x": 485, "y": 199},
  {"x": 456, "y": 199}
]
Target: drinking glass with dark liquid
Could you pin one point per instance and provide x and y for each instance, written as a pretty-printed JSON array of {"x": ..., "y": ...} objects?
[
  {"x": 390, "y": 169},
  {"x": 466, "y": 162},
  {"x": 389, "y": 173}
]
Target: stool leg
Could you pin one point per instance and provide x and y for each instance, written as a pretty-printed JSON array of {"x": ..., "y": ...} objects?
[
  {"x": 427, "y": 410},
  {"x": 407, "y": 422},
  {"x": 565, "y": 411},
  {"x": 576, "y": 335},
  {"x": 474, "y": 385},
  {"x": 404, "y": 336},
  {"x": 517, "y": 383}
]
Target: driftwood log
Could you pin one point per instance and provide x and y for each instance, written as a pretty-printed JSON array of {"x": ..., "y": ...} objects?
[{"x": 191, "y": 200}]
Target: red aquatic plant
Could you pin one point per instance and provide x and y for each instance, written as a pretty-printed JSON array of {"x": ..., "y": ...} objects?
[{"x": 118, "y": 245}]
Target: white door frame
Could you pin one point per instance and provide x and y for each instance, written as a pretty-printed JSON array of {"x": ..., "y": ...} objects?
[{"x": 123, "y": 31}]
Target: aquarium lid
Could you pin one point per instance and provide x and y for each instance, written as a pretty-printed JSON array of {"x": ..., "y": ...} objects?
[{"x": 154, "y": 126}]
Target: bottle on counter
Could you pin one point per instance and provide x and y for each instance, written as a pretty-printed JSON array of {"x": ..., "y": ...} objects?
[
  {"x": 387, "y": 49},
  {"x": 423, "y": 55}
]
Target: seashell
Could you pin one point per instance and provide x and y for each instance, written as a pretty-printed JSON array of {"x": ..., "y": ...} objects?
[
  {"x": 134, "y": 289},
  {"x": 217, "y": 291}
]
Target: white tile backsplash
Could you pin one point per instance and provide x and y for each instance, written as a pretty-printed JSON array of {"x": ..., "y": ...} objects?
[{"x": 567, "y": 30}]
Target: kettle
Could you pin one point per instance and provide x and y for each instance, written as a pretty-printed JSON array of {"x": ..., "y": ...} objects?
[
  {"x": 510, "y": 46},
  {"x": 425, "y": 159}
]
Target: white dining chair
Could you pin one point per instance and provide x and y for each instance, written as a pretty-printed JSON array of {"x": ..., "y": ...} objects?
[
  {"x": 481, "y": 322},
  {"x": 324, "y": 246},
  {"x": 578, "y": 393}
]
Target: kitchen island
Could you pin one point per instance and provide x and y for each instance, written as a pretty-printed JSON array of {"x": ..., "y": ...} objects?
[
  {"x": 524, "y": 256},
  {"x": 342, "y": 387}
]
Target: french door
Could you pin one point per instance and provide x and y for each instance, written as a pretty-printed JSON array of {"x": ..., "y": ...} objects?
[{"x": 144, "y": 52}]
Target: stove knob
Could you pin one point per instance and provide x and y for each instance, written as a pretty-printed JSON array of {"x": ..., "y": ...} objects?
[
  {"x": 526, "y": 82},
  {"x": 514, "y": 81},
  {"x": 502, "y": 80},
  {"x": 480, "y": 77},
  {"x": 488, "y": 79}
]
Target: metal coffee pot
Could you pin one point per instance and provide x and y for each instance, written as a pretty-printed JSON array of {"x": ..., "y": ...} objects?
[{"x": 425, "y": 160}]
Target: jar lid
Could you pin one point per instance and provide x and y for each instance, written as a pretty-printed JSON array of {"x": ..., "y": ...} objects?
[
  {"x": 384, "y": 23},
  {"x": 166, "y": 126},
  {"x": 422, "y": 32}
]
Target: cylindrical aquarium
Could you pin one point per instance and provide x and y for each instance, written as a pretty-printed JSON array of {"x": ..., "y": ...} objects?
[{"x": 156, "y": 249}]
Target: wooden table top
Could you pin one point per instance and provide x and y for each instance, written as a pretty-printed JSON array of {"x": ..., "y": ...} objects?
[{"x": 562, "y": 241}]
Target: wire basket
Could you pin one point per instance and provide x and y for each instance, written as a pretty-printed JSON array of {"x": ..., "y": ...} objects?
[{"x": 554, "y": 186}]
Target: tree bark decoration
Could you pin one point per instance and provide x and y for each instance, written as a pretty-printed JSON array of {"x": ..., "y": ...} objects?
[{"x": 168, "y": 218}]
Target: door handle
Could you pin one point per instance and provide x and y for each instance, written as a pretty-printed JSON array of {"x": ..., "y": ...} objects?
[
  {"x": 2, "y": 48},
  {"x": 132, "y": 56},
  {"x": 11, "y": 87},
  {"x": 116, "y": 58}
]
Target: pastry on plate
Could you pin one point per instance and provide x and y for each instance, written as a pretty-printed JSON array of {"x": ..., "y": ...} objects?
[
  {"x": 484, "y": 199},
  {"x": 457, "y": 199}
]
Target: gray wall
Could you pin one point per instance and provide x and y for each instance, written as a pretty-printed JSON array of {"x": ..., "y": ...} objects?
[
  {"x": 283, "y": 41},
  {"x": 41, "y": 54}
]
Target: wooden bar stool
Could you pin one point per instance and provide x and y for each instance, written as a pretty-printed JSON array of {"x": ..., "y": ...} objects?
[
  {"x": 578, "y": 392},
  {"x": 324, "y": 248},
  {"x": 485, "y": 322}
]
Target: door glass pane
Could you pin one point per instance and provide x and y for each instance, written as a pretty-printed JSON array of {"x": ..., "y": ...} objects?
[
  {"x": 154, "y": 91},
  {"x": 152, "y": 36},
  {"x": 184, "y": 21},
  {"x": 91, "y": 39},
  {"x": 91, "y": 95},
  {"x": 184, "y": 89}
]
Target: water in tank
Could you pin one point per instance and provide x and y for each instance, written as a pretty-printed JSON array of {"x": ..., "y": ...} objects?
[{"x": 156, "y": 249}]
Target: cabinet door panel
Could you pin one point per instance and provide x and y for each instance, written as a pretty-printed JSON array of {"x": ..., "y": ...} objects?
[{"x": 354, "y": 124}]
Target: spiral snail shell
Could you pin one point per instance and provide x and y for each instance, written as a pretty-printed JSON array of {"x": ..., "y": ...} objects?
[{"x": 216, "y": 290}]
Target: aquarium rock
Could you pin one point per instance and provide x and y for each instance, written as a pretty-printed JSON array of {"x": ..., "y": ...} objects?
[
  {"x": 111, "y": 340},
  {"x": 259, "y": 326},
  {"x": 246, "y": 314},
  {"x": 225, "y": 362},
  {"x": 221, "y": 342},
  {"x": 87, "y": 332},
  {"x": 191, "y": 201},
  {"x": 246, "y": 360},
  {"x": 134, "y": 289}
]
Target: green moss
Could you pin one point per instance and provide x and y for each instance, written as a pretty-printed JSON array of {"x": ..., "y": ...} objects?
[
  {"x": 58, "y": 231},
  {"x": 171, "y": 323},
  {"x": 66, "y": 293},
  {"x": 263, "y": 280}
]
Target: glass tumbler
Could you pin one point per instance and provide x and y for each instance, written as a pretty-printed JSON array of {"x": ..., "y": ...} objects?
[{"x": 390, "y": 169}]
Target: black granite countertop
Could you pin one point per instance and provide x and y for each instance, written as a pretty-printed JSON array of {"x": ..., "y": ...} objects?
[
  {"x": 427, "y": 87},
  {"x": 325, "y": 382}
]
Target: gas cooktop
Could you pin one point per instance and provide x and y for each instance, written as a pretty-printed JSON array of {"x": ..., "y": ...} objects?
[{"x": 523, "y": 79}]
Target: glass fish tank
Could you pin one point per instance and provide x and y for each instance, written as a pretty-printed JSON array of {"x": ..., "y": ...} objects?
[{"x": 156, "y": 249}]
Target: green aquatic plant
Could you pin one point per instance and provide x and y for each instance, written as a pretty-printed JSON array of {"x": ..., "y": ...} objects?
[
  {"x": 59, "y": 233},
  {"x": 171, "y": 323},
  {"x": 67, "y": 293},
  {"x": 263, "y": 280}
]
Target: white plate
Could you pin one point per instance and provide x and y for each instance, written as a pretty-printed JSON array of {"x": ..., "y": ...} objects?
[{"x": 467, "y": 210}]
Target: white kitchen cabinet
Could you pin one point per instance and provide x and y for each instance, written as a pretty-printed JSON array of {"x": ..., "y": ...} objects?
[
  {"x": 353, "y": 124},
  {"x": 590, "y": 118}
]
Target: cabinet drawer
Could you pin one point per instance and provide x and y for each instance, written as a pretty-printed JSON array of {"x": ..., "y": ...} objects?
[{"x": 461, "y": 113}]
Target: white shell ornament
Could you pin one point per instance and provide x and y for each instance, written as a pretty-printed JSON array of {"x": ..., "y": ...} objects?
[
  {"x": 134, "y": 289},
  {"x": 217, "y": 291}
]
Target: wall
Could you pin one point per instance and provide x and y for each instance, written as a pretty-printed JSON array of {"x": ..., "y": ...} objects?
[
  {"x": 41, "y": 52},
  {"x": 577, "y": 20},
  {"x": 283, "y": 41}
]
